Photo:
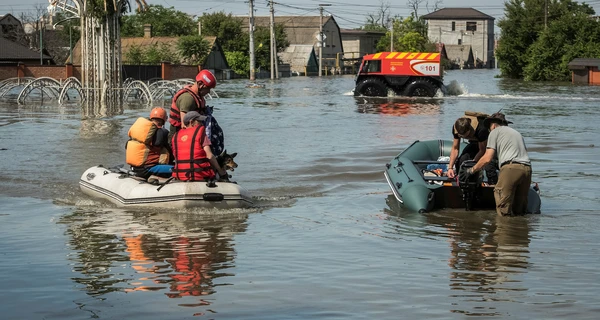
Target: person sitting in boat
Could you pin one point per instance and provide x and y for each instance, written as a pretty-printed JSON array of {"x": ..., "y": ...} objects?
[
  {"x": 471, "y": 128},
  {"x": 194, "y": 160},
  {"x": 191, "y": 98},
  {"x": 148, "y": 151},
  {"x": 512, "y": 190}
]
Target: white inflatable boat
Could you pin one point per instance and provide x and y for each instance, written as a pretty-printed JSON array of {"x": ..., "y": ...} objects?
[{"x": 124, "y": 190}]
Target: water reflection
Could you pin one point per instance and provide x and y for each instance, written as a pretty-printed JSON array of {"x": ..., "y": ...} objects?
[
  {"x": 488, "y": 254},
  {"x": 90, "y": 109},
  {"x": 179, "y": 254},
  {"x": 397, "y": 106}
]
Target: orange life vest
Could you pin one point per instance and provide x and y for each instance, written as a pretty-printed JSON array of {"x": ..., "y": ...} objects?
[
  {"x": 175, "y": 113},
  {"x": 140, "y": 151},
  {"x": 191, "y": 163}
]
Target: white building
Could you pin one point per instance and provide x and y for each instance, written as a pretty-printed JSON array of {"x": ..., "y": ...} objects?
[{"x": 464, "y": 26}]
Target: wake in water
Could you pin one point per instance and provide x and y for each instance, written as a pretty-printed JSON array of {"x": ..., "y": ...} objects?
[{"x": 454, "y": 88}]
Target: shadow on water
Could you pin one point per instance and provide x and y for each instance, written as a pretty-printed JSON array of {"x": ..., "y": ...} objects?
[
  {"x": 487, "y": 253},
  {"x": 178, "y": 254}
]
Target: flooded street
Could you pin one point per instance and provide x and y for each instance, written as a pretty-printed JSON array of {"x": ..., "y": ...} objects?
[{"x": 326, "y": 240}]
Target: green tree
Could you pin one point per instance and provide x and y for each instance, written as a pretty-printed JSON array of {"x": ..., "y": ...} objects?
[
  {"x": 239, "y": 62},
  {"x": 262, "y": 41},
  {"x": 135, "y": 55},
  {"x": 227, "y": 28},
  {"x": 166, "y": 22},
  {"x": 194, "y": 49},
  {"x": 532, "y": 47},
  {"x": 408, "y": 36}
]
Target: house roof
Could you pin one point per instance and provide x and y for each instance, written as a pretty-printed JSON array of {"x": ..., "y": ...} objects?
[
  {"x": 582, "y": 63},
  {"x": 13, "y": 51},
  {"x": 299, "y": 29},
  {"x": 128, "y": 43},
  {"x": 458, "y": 51},
  {"x": 298, "y": 56},
  {"x": 362, "y": 32},
  {"x": 457, "y": 14}
]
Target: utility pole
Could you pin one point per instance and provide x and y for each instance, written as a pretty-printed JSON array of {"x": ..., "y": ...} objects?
[
  {"x": 545, "y": 14},
  {"x": 392, "y": 38},
  {"x": 272, "y": 30},
  {"x": 41, "y": 41},
  {"x": 251, "y": 32},
  {"x": 321, "y": 40}
]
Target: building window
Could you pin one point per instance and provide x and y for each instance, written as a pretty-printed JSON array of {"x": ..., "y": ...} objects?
[
  {"x": 471, "y": 26},
  {"x": 459, "y": 41},
  {"x": 453, "y": 26}
]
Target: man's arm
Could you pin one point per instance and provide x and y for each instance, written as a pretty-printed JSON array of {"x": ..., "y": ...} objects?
[
  {"x": 482, "y": 148},
  {"x": 213, "y": 161},
  {"x": 487, "y": 157},
  {"x": 161, "y": 138},
  {"x": 453, "y": 156},
  {"x": 185, "y": 103}
]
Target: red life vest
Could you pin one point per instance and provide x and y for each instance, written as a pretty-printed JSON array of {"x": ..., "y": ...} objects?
[
  {"x": 175, "y": 113},
  {"x": 191, "y": 163}
]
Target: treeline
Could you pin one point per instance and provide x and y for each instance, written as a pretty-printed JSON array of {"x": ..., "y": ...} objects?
[
  {"x": 192, "y": 48},
  {"x": 540, "y": 37}
]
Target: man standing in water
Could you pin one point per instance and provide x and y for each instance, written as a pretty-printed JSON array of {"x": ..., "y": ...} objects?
[{"x": 514, "y": 180}]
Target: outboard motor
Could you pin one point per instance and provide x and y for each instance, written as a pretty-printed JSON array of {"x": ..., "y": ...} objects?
[{"x": 470, "y": 188}]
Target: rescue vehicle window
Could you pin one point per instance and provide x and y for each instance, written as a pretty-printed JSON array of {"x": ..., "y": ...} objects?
[
  {"x": 471, "y": 26},
  {"x": 372, "y": 66}
]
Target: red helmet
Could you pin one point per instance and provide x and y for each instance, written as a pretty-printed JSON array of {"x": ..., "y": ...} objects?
[
  {"x": 158, "y": 113},
  {"x": 207, "y": 78}
]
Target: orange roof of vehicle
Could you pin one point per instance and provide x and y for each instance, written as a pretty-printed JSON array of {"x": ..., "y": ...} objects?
[{"x": 433, "y": 56}]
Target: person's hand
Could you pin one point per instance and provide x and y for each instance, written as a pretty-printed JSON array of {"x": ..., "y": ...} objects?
[
  {"x": 451, "y": 174},
  {"x": 466, "y": 174},
  {"x": 223, "y": 177}
]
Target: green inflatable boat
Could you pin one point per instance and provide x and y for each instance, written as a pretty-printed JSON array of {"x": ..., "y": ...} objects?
[{"x": 419, "y": 188}]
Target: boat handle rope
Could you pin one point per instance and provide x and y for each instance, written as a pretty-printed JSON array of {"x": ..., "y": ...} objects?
[
  {"x": 164, "y": 183},
  {"x": 400, "y": 164}
]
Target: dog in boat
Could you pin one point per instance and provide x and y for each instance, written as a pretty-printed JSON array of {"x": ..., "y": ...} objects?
[{"x": 226, "y": 161}]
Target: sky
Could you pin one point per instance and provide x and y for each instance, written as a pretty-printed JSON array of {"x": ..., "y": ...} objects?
[{"x": 349, "y": 14}]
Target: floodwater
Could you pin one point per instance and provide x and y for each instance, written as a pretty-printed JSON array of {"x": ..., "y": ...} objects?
[{"x": 326, "y": 239}]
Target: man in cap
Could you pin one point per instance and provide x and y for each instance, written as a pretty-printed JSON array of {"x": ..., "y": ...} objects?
[
  {"x": 194, "y": 160},
  {"x": 514, "y": 180}
]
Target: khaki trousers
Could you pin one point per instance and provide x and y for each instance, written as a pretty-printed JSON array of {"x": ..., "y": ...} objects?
[{"x": 512, "y": 189}]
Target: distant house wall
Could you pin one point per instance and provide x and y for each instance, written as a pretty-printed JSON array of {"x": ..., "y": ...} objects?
[
  {"x": 360, "y": 43},
  {"x": 183, "y": 72},
  {"x": 481, "y": 39},
  {"x": 333, "y": 44},
  {"x": 7, "y": 72}
]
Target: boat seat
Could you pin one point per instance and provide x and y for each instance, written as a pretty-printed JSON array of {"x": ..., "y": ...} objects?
[
  {"x": 429, "y": 162},
  {"x": 430, "y": 178}
]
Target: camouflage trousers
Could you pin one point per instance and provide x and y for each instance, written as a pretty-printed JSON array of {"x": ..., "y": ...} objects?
[{"x": 512, "y": 189}]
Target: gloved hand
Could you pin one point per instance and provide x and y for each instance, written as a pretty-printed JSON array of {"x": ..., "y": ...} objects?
[
  {"x": 224, "y": 178},
  {"x": 464, "y": 175}
]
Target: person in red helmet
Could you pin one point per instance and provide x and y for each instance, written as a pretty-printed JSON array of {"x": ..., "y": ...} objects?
[
  {"x": 148, "y": 151},
  {"x": 191, "y": 98}
]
